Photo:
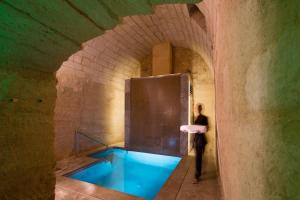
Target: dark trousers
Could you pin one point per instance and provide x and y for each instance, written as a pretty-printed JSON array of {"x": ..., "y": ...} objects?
[{"x": 199, "y": 145}]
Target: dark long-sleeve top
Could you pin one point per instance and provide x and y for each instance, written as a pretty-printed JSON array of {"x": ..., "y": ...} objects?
[
  {"x": 201, "y": 120},
  {"x": 200, "y": 138}
]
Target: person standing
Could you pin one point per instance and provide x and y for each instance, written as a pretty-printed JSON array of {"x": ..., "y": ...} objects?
[{"x": 199, "y": 143}]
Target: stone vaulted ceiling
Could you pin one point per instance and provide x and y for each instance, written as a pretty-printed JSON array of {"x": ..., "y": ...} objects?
[
  {"x": 42, "y": 34},
  {"x": 134, "y": 38}
]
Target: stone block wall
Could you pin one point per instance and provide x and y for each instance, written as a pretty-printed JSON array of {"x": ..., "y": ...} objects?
[{"x": 90, "y": 96}]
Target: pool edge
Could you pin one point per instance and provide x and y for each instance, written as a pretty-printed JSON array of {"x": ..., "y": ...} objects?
[
  {"x": 163, "y": 192},
  {"x": 171, "y": 187}
]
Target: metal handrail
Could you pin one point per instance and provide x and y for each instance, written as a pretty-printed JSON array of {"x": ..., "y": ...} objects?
[{"x": 77, "y": 132}]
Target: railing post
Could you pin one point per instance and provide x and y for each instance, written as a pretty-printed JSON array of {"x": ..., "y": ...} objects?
[{"x": 76, "y": 142}]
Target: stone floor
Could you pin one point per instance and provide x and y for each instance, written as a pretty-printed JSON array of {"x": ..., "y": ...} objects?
[
  {"x": 179, "y": 186},
  {"x": 207, "y": 189}
]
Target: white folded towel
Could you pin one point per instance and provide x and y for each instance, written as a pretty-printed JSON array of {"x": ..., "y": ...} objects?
[{"x": 193, "y": 128}]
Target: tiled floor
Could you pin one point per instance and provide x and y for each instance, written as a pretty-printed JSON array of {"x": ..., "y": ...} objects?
[{"x": 179, "y": 186}]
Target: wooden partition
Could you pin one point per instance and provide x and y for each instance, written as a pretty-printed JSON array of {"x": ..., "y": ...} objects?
[{"x": 155, "y": 109}]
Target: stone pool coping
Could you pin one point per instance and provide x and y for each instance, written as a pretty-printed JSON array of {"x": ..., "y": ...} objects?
[
  {"x": 169, "y": 190},
  {"x": 91, "y": 190},
  {"x": 172, "y": 186}
]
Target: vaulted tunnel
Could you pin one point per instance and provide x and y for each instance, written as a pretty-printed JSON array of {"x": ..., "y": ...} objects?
[
  {"x": 108, "y": 60},
  {"x": 249, "y": 47}
]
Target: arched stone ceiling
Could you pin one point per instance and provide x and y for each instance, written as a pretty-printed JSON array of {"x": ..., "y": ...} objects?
[
  {"x": 119, "y": 50},
  {"x": 41, "y": 34},
  {"x": 136, "y": 35},
  {"x": 115, "y": 56}
]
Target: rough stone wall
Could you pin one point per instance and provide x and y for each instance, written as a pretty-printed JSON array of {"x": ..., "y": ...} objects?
[
  {"x": 257, "y": 87},
  {"x": 146, "y": 66},
  {"x": 67, "y": 109},
  {"x": 185, "y": 60},
  {"x": 40, "y": 35},
  {"x": 27, "y": 102},
  {"x": 90, "y": 97},
  {"x": 203, "y": 90}
]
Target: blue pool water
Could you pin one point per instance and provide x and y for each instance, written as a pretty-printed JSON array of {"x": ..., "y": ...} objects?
[{"x": 135, "y": 173}]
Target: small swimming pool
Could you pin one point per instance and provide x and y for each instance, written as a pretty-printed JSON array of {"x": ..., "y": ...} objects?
[{"x": 135, "y": 173}]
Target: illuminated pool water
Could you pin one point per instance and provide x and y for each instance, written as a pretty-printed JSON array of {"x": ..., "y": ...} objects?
[{"x": 135, "y": 173}]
